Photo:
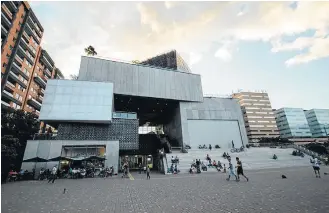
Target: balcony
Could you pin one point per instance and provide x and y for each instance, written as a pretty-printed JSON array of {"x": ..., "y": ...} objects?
[
  {"x": 5, "y": 20},
  {"x": 12, "y": 4},
  {"x": 41, "y": 91},
  {"x": 5, "y": 103},
  {"x": 40, "y": 81},
  {"x": 4, "y": 31},
  {"x": 33, "y": 102},
  {"x": 6, "y": 10},
  {"x": 24, "y": 43},
  {"x": 18, "y": 70},
  {"x": 9, "y": 96},
  {"x": 28, "y": 47},
  {"x": 10, "y": 86},
  {"x": 47, "y": 63},
  {"x": 27, "y": 57},
  {"x": 39, "y": 99},
  {"x": 27, "y": 37},
  {"x": 16, "y": 79},
  {"x": 8, "y": 93},
  {"x": 32, "y": 32},
  {"x": 19, "y": 59},
  {"x": 47, "y": 72},
  {"x": 35, "y": 29}
]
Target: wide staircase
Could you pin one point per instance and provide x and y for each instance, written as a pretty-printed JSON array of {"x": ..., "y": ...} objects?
[{"x": 252, "y": 158}]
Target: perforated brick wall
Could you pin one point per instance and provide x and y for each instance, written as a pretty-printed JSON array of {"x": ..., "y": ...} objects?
[{"x": 124, "y": 130}]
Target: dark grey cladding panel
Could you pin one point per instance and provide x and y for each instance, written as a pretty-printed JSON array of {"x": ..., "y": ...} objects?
[
  {"x": 124, "y": 130},
  {"x": 145, "y": 81}
]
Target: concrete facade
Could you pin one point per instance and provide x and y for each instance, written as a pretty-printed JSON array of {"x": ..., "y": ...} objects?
[
  {"x": 141, "y": 80},
  {"x": 77, "y": 101},
  {"x": 48, "y": 149},
  {"x": 213, "y": 109}
]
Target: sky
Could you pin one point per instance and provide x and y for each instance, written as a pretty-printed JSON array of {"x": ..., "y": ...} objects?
[{"x": 279, "y": 47}]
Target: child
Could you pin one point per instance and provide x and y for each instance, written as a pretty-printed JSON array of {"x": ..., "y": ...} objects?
[
  {"x": 231, "y": 171},
  {"x": 224, "y": 169}
]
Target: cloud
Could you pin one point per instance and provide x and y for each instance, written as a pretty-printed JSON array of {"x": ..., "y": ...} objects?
[
  {"x": 170, "y": 4},
  {"x": 194, "y": 58},
  {"x": 140, "y": 30},
  {"x": 225, "y": 53}
]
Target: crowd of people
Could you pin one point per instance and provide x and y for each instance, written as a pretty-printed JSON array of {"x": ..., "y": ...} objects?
[
  {"x": 197, "y": 166},
  {"x": 174, "y": 165}
]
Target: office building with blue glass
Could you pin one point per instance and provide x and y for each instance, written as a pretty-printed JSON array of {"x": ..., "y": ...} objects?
[
  {"x": 318, "y": 121},
  {"x": 292, "y": 123}
]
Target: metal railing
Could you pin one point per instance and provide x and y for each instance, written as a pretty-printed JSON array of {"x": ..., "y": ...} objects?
[
  {"x": 10, "y": 84},
  {"x": 309, "y": 152},
  {"x": 8, "y": 93},
  {"x": 5, "y": 8},
  {"x": 45, "y": 136},
  {"x": 5, "y": 103},
  {"x": 3, "y": 29},
  {"x": 5, "y": 18},
  {"x": 19, "y": 58}
]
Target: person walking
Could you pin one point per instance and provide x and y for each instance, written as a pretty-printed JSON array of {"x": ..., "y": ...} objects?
[
  {"x": 140, "y": 168},
  {"x": 240, "y": 169},
  {"x": 148, "y": 172},
  {"x": 231, "y": 171},
  {"x": 53, "y": 175},
  {"x": 316, "y": 167}
]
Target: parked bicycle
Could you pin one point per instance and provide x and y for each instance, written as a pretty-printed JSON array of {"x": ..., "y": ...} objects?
[{"x": 241, "y": 149}]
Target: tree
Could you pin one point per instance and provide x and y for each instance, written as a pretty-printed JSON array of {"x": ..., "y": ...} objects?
[
  {"x": 135, "y": 61},
  {"x": 74, "y": 77},
  {"x": 17, "y": 127},
  {"x": 9, "y": 146},
  {"x": 90, "y": 50}
]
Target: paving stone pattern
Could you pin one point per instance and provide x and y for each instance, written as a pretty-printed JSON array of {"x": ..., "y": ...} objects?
[
  {"x": 124, "y": 130},
  {"x": 265, "y": 192}
]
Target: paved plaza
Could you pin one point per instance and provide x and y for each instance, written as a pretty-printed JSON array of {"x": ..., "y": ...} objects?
[{"x": 207, "y": 192}]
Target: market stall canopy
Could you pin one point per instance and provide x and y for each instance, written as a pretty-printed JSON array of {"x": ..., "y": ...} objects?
[
  {"x": 95, "y": 158},
  {"x": 36, "y": 160},
  {"x": 59, "y": 158}
]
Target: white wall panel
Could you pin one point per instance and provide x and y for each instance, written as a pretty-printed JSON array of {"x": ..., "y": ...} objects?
[
  {"x": 139, "y": 80},
  {"x": 214, "y": 132},
  {"x": 212, "y": 109},
  {"x": 77, "y": 101}
]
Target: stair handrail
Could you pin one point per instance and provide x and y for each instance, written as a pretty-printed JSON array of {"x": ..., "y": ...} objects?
[{"x": 308, "y": 152}]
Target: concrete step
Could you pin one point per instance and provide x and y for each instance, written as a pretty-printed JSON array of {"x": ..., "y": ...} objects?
[{"x": 253, "y": 158}]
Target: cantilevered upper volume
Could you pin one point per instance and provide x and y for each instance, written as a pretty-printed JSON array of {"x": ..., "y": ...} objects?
[
  {"x": 142, "y": 80},
  {"x": 169, "y": 60}
]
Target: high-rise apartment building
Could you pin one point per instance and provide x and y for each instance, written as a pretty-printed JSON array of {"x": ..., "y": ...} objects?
[
  {"x": 292, "y": 123},
  {"x": 258, "y": 115},
  {"x": 318, "y": 120},
  {"x": 25, "y": 66}
]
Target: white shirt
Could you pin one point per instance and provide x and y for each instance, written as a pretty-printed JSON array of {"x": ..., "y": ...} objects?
[
  {"x": 54, "y": 171},
  {"x": 316, "y": 163}
]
